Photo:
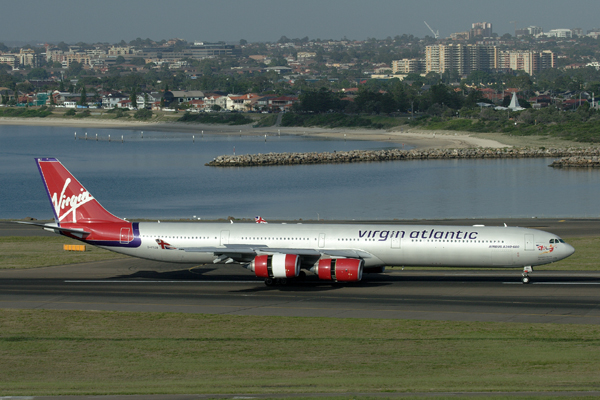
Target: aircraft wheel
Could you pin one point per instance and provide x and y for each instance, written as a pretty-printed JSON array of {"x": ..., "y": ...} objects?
[
  {"x": 525, "y": 279},
  {"x": 282, "y": 281},
  {"x": 269, "y": 282}
]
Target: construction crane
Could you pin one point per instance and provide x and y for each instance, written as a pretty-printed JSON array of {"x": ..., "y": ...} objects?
[
  {"x": 436, "y": 34},
  {"x": 515, "y": 25}
]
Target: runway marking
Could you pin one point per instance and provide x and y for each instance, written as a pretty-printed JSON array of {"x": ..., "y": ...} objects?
[
  {"x": 131, "y": 281},
  {"x": 240, "y": 308},
  {"x": 552, "y": 283}
]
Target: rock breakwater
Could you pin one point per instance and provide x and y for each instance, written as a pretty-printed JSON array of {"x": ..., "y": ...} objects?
[
  {"x": 577, "y": 162},
  {"x": 254, "y": 160}
]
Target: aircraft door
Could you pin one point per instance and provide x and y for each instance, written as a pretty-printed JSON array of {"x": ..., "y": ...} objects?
[
  {"x": 396, "y": 243},
  {"x": 224, "y": 238},
  {"x": 321, "y": 240},
  {"x": 125, "y": 236},
  {"x": 529, "y": 243}
]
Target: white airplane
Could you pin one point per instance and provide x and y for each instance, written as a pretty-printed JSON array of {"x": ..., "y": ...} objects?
[{"x": 279, "y": 252}]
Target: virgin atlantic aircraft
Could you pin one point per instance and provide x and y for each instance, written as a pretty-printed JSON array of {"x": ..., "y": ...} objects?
[{"x": 279, "y": 252}]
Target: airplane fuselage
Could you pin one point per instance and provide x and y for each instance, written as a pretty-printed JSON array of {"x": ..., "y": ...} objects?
[{"x": 378, "y": 245}]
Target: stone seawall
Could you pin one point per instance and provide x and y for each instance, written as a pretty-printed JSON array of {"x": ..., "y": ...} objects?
[
  {"x": 577, "y": 162},
  {"x": 253, "y": 160}
]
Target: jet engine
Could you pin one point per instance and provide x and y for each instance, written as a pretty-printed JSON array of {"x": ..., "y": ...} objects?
[
  {"x": 276, "y": 266},
  {"x": 339, "y": 270}
]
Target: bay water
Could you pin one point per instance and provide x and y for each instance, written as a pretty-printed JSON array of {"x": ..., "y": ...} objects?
[{"x": 162, "y": 176}]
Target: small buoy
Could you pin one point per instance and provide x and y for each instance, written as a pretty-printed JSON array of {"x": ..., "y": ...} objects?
[
  {"x": 75, "y": 135},
  {"x": 109, "y": 138}
]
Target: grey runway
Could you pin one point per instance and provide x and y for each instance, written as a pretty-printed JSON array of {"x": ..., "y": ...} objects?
[
  {"x": 459, "y": 295},
  {"x": 139, "y": 285}
]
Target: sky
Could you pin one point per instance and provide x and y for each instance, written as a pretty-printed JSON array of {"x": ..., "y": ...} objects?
[{"x": 111, "y": 21}]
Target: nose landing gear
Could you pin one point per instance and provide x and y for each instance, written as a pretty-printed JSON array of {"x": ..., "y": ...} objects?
[{"x": 526, "y": 271}]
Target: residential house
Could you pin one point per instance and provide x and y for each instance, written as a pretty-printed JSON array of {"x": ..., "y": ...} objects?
[
  {"x": 282, "y": 103},
  {"x": 112, "y": 100},
  {"x": 242, "y": 103}
]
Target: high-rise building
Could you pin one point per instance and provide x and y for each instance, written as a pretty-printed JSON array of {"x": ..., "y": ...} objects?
[
  {"x": 481, "y": 29},
  {"x": 460, "y": 58},
  {"x": 406, "y": 66},
  {"x": 464, "y": 59}
]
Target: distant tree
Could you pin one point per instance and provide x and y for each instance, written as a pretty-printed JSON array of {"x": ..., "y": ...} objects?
[
  {"x": 216, "y": 108},
  {"x": 319, "y": 101},
  {"x": 74, "y": 69},
  {"x": 243, "y": 42},
  {"x": 83, "y": 97},
  {"x": 61, "y": 87},
  {"x": 133, "y": 98},
  {"x": 63, "y": 46},
  {"x": 138, "y": 61},
  {"x": 37, "y": 73},
  {"x": 119, "y": 60},
  {"x": 278, "y": 62},
  {"x": 143, "y": 114}
]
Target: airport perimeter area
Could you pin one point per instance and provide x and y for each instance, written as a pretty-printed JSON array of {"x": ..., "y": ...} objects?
[{"x": 128, "y": 326}]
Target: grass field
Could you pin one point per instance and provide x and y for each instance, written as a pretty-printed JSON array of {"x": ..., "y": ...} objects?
[
  {"x": 44, "y": 251},
  {"x": 77, "y": 352}
]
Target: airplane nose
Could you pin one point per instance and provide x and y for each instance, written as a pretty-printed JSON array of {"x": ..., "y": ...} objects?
[{"x": 569, "y": 250}]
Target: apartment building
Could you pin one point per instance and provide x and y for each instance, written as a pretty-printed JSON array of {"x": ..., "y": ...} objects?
[
  {"x": 467, "y": 58},
  {"x": 407, "y": 66},
  {"x": 462, "y": 58},
  {"x": 481, "y": 29}
]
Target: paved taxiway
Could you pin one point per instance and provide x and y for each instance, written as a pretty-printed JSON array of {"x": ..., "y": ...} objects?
[{"x": 139, "y": 285}]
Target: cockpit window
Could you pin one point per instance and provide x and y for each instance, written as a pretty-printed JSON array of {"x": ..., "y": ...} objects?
[{"x": 556, "y": 241}]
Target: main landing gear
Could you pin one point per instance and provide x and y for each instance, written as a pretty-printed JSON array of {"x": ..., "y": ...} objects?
[
  {"x": 275, "y": 281},
  {"x": 526, "y": 271},
  {"x": 284, "y": 281}
]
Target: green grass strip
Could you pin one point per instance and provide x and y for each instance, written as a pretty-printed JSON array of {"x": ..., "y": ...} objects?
[
  {"x": 44, "y": 251},
  {"x": 47, "y": 352}
]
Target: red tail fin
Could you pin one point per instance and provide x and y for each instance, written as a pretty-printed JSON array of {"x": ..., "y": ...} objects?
[{"x": 71, "y": 202}]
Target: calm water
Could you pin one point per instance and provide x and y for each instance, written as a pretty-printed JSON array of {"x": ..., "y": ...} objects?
[{"x": 163, "y": 176}]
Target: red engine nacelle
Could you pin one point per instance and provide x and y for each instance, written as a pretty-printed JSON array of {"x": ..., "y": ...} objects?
[
  {"x": 340, "y": 269},
  {"x": 276, "y": 266}
]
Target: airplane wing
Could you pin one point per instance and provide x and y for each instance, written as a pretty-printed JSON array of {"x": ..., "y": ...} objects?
[
  {"x": 54, "y": 228},
  {"x": 238, "y": 252}
]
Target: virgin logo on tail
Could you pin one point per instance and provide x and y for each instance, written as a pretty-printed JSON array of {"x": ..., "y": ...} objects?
[{"x": 72, "y": 203}]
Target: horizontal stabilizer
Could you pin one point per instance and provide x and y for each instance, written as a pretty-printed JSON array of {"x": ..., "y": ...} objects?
[{"x": 54, "y": 228}]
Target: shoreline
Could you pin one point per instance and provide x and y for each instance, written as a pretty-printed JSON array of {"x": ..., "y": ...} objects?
[{"x": 421, "y": 139}]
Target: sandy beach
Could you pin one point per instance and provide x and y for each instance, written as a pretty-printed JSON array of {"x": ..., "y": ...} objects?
[{"x": 422, "y": 139}]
